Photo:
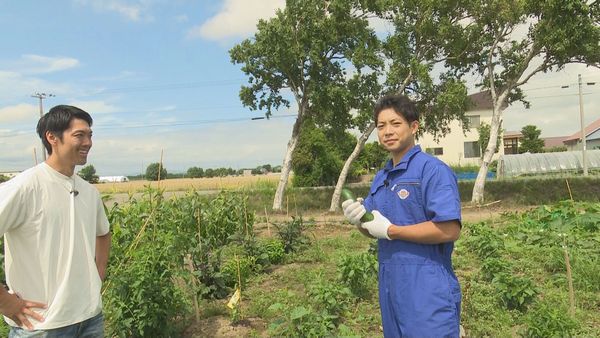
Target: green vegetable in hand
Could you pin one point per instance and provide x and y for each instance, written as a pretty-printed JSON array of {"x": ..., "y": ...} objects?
[{"x": 348, "y": 195}]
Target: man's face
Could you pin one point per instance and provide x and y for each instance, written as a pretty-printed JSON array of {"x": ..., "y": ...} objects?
[
  {"x": 395, "y": 134},
  {"x": 76, "y": 142}
]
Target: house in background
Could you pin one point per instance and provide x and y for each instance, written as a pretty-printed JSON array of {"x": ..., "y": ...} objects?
[
  {"x": 592, "y": 138},
  {"x": 458, "y": 148},
  {"x": 511, "y": 140}
]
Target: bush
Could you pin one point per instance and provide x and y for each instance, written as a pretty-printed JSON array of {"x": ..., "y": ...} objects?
[{"x": 549, "y": 319}]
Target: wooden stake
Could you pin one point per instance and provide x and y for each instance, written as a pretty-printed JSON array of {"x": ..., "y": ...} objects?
[
  {"x": 268, "y": 224},
  {"x": 35, "y": 156},
  {"x": 160, "y": 168},
  {"x": 569, "y": 188}
]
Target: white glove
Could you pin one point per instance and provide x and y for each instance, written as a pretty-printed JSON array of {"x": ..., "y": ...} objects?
[
  {"x": 378, "y": 227},
  {"x": 353, "y": 210}
]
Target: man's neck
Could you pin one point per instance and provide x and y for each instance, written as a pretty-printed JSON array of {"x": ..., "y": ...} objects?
[{"x": 62, "y": 168}]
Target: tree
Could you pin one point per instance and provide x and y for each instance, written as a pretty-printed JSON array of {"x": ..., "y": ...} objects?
[
  {"x": 531, "y": 141},
  {"x": 510, "y": 41},
  {"x": 195, "y": 172},
  {"x": 88, "y": 173},
  {"x": 484, "y": 136},
  {"x": 301, "y": 54},
  {"x": 152, "y": 172},
  {"x": 422, "y": 38},
  {"x": 373, "y": 157},
  {"x": 319, "y": 156}
]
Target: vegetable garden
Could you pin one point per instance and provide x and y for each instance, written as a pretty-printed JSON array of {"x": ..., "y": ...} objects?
[{"x": 176, "y": 263}]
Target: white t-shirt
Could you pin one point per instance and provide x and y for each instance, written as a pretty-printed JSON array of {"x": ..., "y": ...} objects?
[{"x": 50, "y": 243}]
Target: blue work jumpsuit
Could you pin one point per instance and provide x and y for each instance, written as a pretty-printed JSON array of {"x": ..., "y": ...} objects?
[{"x": 419, "y": 293}]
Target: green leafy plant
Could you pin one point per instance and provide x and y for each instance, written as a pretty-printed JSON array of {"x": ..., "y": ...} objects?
[
  {"x": 292, "y": 234},
  {"x": 549, "y": 320},
  {"x": 517, "y": 292},
  {"x": 358, "y": 273}
]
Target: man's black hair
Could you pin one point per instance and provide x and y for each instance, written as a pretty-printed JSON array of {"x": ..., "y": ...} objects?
[
  {"x": 401, "y": 104},
  {"x": 57, "y": 120}
]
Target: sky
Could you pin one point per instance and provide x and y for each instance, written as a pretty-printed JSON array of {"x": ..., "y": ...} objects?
[{"x": 157, "y": 78}]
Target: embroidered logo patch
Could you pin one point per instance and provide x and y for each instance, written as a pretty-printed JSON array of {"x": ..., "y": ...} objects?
[{"x": 403, "y": 194}]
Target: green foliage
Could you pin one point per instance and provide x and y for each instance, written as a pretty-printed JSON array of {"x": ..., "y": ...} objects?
[
  {"x": 165, "y": 250},
  {"x": 556, "y": 149},
  {"x": 315, "y": 162},
  {"x": 195, "y": 172},
  {"x": 484, "y": 137},
  {"x": 372, "y": 158},
  {"x": 517, "y": 292},
  {"x": 274, "y": 249},
  {"x": 88, "y": 173},
  {"x": 292, "y": 234},
  {"x": 359, "y": 273},
  {"x": 3, "y": 178},
  {"x": 547, "y": 319},
  {"x": 531, "y": 141},
  {"x": 152, "y": 172}
]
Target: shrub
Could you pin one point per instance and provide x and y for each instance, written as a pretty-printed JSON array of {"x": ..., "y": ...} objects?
[{"x": 549, "y": 320}]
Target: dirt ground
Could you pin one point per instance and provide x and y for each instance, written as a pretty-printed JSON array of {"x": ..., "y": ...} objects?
[{"x": 326, "y": 225}]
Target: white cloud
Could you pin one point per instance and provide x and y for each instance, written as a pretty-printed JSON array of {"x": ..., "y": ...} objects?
[
  {"x": 37, "y": 64},
  {"x": 237, "y": 18},
  {"x": 95, "y": 107},
  {"x": 19, "y": 113},
  {"x": 136, "y": 11}
]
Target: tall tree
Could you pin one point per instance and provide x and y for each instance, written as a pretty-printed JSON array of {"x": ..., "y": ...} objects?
[
  {"x": 510, "y": 41},
  {"x": 88, "y": 173},
  {"x": 422, "y": 38},
  {"x": 304, "y": 49},
  {"x": 531, "y": 141}
]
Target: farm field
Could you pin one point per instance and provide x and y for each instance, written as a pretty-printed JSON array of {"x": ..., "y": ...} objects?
[
  {"x": 185, "y": 184},
  {"x": 177, "y": 262}
]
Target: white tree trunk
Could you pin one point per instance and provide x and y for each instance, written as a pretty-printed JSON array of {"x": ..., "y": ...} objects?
[
  {"x": 478, "y": 188},
  {"x": 286, "y": 167},
  {"x": 360, "y": 143}
]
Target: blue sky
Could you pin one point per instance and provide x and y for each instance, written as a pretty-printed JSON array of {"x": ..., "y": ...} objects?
[{"x": 156, "y": 75}]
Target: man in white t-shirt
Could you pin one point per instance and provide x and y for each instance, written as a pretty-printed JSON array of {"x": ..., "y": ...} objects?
[{"x": 56, "y": 237}]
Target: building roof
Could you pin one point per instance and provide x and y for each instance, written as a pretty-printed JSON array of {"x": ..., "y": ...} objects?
[
  {"x": 512, "y": 134},
  {"x": 556, "y": 141},
  {"x": 589, "y": 129},
  {"x": 482, "y": 101}
]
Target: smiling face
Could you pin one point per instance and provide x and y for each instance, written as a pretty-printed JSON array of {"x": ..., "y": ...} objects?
[
  {"x": 72, "y": 148},
  {"x": 395, "y": 134}
]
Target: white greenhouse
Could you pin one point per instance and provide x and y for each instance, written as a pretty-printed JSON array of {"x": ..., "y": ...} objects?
[{"x": 546, "y": 163}]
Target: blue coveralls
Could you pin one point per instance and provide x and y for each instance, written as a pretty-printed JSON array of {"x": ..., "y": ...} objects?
[{"x": 419, "y": 293}]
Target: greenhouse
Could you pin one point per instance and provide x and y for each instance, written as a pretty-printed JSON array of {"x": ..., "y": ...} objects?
[{"x": 546, "y": 163}]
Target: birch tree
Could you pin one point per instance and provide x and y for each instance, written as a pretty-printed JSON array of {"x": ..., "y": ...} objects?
[
  {"x": 510, "y": 41},
  {"x": 306, "y": 47},
  {"x": 422, "y": 37}
]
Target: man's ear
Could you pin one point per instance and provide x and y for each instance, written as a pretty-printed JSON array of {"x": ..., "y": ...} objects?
[
  {"x": 52, "y": 138},
  {"x": 414, "y": 126}
]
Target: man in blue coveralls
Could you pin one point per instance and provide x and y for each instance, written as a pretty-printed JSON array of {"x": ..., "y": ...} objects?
[{"x": 416, "y": 207}]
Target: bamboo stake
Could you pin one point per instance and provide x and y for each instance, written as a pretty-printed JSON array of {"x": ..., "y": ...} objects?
[
  {"x": 35, "y": 156},
  {"x": 568, "y": 264},
  {"x": 268, "y": 224},
  {"x": 190, "y": 267},
  {"x": 160, "y": 168}
]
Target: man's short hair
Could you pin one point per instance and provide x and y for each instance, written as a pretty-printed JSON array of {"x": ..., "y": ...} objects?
[
  {"x": 57, "y": 120},
  {"x": 401, "y": 104}
]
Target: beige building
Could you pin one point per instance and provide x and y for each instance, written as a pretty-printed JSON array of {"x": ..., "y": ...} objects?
[{"x": 458, "y": 148}]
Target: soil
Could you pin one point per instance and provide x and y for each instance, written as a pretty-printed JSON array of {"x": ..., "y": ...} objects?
[{"x": 326, "y": 225}]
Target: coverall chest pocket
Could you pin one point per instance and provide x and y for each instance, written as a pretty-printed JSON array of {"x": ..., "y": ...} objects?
[{"x": 408, "y": 200}]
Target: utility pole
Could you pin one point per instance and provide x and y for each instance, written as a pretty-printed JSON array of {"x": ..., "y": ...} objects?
[
  {"x": 583, "y": 139},
  {"x": 42, "y": 96}
]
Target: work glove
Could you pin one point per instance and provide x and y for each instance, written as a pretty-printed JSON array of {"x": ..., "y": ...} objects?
[
  {"x": 353, "y": 210},
  {"x": 378, "y": 227}
]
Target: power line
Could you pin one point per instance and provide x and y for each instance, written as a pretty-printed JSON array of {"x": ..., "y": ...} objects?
[{"x": 14, "y": 133}]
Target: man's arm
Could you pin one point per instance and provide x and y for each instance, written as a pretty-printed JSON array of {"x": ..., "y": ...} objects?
[
  {"x": 19, "y": 309},
  {"x": 102, "y": 252},
  {"x": 428, "y": 232}
]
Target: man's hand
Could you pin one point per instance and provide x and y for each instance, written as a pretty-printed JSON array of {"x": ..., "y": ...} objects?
[
  {"x": 378, "y": 227},
  {"x": 17, "y": 309},
  {"x": 353, "y": 210}
]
